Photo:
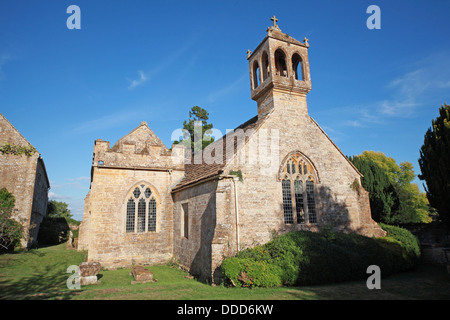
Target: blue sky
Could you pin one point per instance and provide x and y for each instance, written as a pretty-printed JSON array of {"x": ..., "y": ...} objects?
[{"x": 137, "y": 60}]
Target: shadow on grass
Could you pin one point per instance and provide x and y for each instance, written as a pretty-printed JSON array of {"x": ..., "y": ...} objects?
[{"x": 45, "y": 284}]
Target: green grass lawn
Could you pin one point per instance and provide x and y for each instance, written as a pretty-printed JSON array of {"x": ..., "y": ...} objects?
[{"x": 40, "y": 274}]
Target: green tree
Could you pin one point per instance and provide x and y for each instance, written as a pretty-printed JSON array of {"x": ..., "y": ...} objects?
[
  {"x": 434, "y": 163},
  {"x": 393, "y": 195},
  {"x": 382, "y": 194},
  {"x": 58, "y": 209},
  {"x": 11, "y": 231},
  {"x": 198, "y": 130}
]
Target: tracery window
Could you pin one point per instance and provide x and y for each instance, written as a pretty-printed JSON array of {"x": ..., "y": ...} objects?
[
  {"x": 297, "y": 182},
  {"x": 141, "y": 210}
]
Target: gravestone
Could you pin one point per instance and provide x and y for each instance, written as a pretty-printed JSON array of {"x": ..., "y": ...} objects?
[
  {"x": 142, "y": 275},
  {"x": 88, "y": 272}
]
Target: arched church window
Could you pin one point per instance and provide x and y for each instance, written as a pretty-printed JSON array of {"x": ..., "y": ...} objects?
[
  {"x": 255, "y": 75},
  {"x": 141, "y": 210},
  {"x": 298, "y": 180},
  {"x": 280, "y": 63},
  {"x": 297, "y": 66},
  {"x": 265, "y": 66}
]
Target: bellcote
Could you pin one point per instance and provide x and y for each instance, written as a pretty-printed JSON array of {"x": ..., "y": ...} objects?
[{"x": 279, "y": 63}]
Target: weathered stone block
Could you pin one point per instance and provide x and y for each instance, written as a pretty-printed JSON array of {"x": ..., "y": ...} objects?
[
  {"x": 89, "y": 268},
  {"x": 88, "y": 280},
  {"x": 142, "y": 275}
]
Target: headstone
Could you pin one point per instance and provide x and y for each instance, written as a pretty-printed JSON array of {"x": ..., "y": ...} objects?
[
  {"x": 69, "y": 244},
  {"x": 88, "y": 272},
  {"x": 142, "y": 275}
]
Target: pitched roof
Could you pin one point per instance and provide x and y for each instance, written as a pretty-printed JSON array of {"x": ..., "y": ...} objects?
[
  {"x": 19, "y": 138},
  {"x": 142, "y": 136},
  {"x": 195, "y": 173},
  {"x": 9, "y": 139}
]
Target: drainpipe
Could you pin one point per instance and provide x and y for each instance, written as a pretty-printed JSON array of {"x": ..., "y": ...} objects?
[{"x": 236, "y": 206}]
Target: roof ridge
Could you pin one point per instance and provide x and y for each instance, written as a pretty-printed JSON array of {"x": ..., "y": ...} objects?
[{"x": 16, "y": 130}]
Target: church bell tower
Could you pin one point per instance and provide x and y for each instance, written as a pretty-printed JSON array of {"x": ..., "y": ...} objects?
[{"x": 279, "y": 71}]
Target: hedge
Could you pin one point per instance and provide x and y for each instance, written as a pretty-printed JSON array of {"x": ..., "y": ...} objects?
[{"x": 307, "y": 258}]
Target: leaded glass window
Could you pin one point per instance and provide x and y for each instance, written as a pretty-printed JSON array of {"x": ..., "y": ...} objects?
[
  {"x": 311, "y": 201},
  {"x": 141, "y": 216},
  {"x": 298, "y": 190},
  {"x": 287, "y": 201},
  {"x": 141, "y": 212},
  {"x": 131, "y": 208},
  {"x": 148, "y": 193},
  {"x": 298, "y": 185},
  {"x": 152, "y": 215}
]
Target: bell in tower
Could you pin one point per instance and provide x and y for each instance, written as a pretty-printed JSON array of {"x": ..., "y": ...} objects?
[{"x": 279, "y": 66}]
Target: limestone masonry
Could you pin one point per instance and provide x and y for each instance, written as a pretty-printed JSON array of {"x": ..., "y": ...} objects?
[
  {"x": 26, "y": 178},
  {"x": 277, "y": 172}
]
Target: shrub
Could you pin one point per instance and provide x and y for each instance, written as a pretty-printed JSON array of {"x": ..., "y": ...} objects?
[
  {"x": 11, "y": 231},
  {"x": 306, "y": 258},
  {"x": 251, "y": 273},
  {"x": 403, "y": 245}
]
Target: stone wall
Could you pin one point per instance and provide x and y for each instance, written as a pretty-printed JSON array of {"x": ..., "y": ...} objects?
[
  {"x": 109, "y": 243},
  {"x": 195, "y": 251},
  {"x": 40, "y": 200},
  {"x": 137, "y": 159},
  {"x": 25, "y": 177},
  {"x": 260, "y": 193}
]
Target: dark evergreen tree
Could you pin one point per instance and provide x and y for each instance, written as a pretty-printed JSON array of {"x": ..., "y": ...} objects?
[
  {"x": 384, "y": 201},
  {"x": 434, "y": 163}
]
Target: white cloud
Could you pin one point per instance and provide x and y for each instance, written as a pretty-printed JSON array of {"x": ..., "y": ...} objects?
[
  {"x": 106, "y": 122},
  {"x": 420, "y": 85},
  {"x": 79, "y": 179},
  {"x": 223, "y": 91},
  {"x": 167, "y": 61},
  {"x": 428, "y": 79},
  {"x": 54, "y": 196},
  {"x": 135, "y": 83}
]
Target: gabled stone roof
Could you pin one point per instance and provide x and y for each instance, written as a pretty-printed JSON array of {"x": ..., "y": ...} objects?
[
  {"x": 195, "y": 173},
  {"x": 11, "y": 135},
  {"x": 141, "y": 137}
]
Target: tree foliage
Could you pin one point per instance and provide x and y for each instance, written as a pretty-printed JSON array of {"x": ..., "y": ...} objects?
[
  {"x": 434, "y": 163},
  {"x": 394, "y": 198},
  {"x": 198, "y": 130},
  {"x": 58, "y": 209},
  {"x": 382, "y": 194},
  {"x": 11, "y": 231}
]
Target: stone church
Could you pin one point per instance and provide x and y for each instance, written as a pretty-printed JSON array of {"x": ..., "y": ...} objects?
[
  {"x": 277, "y": 172},
  {"x": 26, "y": 178}
]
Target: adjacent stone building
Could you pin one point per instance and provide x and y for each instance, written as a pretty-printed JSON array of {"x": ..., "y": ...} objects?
[
  {"x": 24, "y": 175},
  {"x": 277, "y": 172}
]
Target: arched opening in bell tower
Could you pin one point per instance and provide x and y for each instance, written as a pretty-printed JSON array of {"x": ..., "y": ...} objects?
[
  {"x": 256, "y": 72},
  {"x": 265, "y": 66},
  {"x": 297, "y": 66},
  {"x": 280, "y": 63}
]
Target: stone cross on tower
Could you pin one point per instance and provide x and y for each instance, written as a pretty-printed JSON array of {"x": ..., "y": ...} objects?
[
  {"x": 275, "y": 26},
  {"x": 274, "y": 19}
]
